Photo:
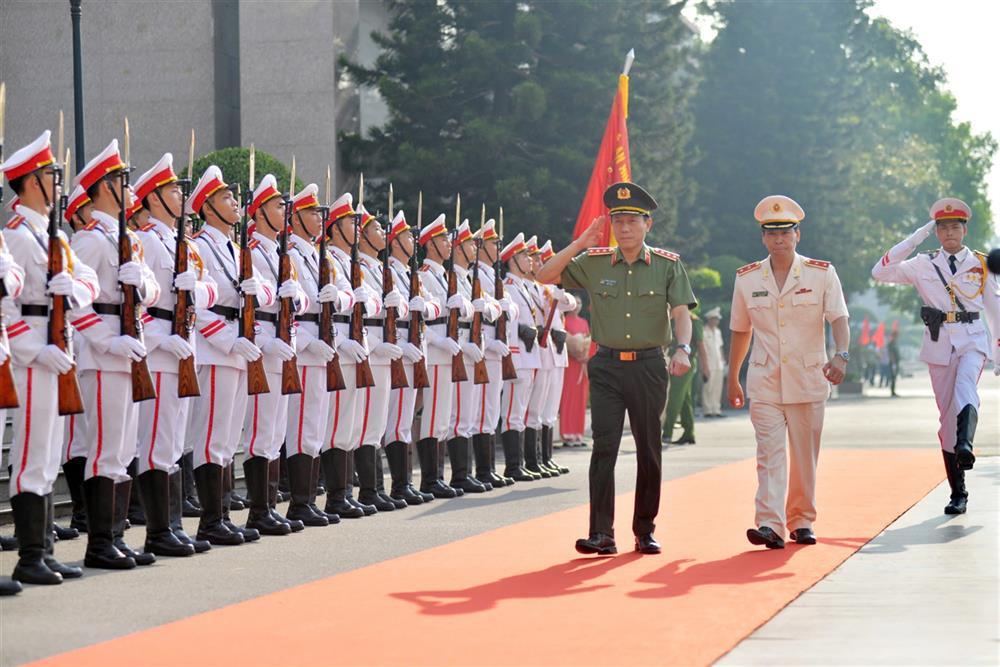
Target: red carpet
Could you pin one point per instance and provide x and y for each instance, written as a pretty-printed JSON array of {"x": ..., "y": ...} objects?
[{"x": 520, "y": 595}]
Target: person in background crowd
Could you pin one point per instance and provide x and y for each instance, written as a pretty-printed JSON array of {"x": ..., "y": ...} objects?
[{"x": 576, "y": 383}]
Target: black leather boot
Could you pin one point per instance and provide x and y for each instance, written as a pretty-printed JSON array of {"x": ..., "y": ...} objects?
[
  {"x": 154, "y": 489},
  {"x": 237, "y": 501},
  {"x": 123, "y": 495},
  {"x": 364, "y": 463},
  {"x": 380, "y": 482},
  {"x": 320, "y": 480},
  {"x": 965, "y": 434},
  {"x": 427, "y": 450},
  {"x": 274, "y": 496},
  {"x": 208, "y": 479},
  {"x": 9, "y": 587},
  {"x": 334, "y": 462},
  {"x": 73, "y": 471},
  {"x": 99, "y": 495},
  {"x": 481, "y": 455},
  {"x": 67, "y": 571},
  {"x": 352, "y": 474},
  {"x": 31, "y": 525},
  {"x": 228, "y": 478},
  {"x": 411, "y": 452},
  {"x": 259, "y": 518},
  {"x": 175, "y": 500},
  {"x": 458, "y": 453},
  {"x": 956, "y": 480},
  {"x": 531, "y": 454},
  {"x": 498, "y": 479},
  {"x": 191, "y": 506},
  {"x": 136, "y": 512},
  {"x": 317, "y": 468},
  {"x": 395, "y": 452},
  {"x": 548, "y": 436},
  {"x": 300, "y": 481},
  {"x": 512, "y": 457},
  {"x": 283, "y": 476}
]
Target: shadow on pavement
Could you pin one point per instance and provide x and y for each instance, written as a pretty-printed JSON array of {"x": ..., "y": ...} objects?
[
  {"x": 936, "y": 530},
  {"x": 469, "y": 500}
]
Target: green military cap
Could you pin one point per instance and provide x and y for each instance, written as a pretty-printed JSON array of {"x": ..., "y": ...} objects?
[{"x": 628, "y": 198}]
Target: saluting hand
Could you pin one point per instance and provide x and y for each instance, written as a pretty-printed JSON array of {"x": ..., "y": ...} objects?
[{"x": 593, "y": 233}]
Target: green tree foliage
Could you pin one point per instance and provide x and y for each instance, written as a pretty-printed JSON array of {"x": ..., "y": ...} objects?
[
  {"x": 818, "y": 101},
  {"x": 505, "y": 102}
]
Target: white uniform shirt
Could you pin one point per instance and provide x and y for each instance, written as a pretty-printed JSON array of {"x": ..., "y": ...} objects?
[
  {"x": 266, "y": 262},
  {"x": 713, "y": 346},
  {"x": 305, "y": 259}
]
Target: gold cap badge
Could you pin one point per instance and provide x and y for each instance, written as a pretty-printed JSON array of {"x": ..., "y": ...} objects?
[{"x": 624, "y": 193}]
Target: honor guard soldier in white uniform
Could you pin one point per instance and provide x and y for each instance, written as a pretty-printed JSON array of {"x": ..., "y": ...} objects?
[
  {"x": 36, "y": 443},
  {"x": 527, "y": 360},
  {"x": 487, "y": 396},
  {"x": 399, "y": 427},
  {"x": 957, "y": 289},
  {"x": 308, "y": 412},
  {"x": 267, "y": 413},
  {"x": 163, "y": 421},
  {"x": 344, "y": 427},
  {"x": 110, "y": 427},
  {"x": 540, "y": 382},
  {"x": 782, "y": 302},
  {"x": 375, "y": 414},
  {"x": 441, "y": 349},
  {"x": 465, "y": 409},
  {"x": 217, "y": 417}
]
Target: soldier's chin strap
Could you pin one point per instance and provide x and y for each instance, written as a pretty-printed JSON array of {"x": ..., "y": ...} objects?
[
  {"x": 468, "y": 262},
  {"x": 217, "y": 214},
  {"x": 336, "y": 225},
  {"x": 267, "y": 219},
  {"x": 163, "y": 203},
  {"x": 45, "y": 195},
  {"x": 520, "y": 268}
]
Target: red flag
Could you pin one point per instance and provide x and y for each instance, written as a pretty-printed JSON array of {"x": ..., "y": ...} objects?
[
  {"x": 865, "y": 332},
  {"x": 879, "y": 337},
  {"x": 612, "y": 165}
]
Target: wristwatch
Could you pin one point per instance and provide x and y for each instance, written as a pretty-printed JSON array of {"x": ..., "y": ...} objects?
[
  {"x": 846, "y": 356},
  {"x": 686, "y": 348}
]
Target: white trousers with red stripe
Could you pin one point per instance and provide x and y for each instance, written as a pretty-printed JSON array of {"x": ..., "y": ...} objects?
[
  {"x": 955, "y": 386},
  {"x": 162, "y": 426},
  {"x": 343, "y": 426},
  {"x": 265, "y": 421},
  {"x": 399, "y": 424},
  {"x": 35, "y": 448},
  {"x": 217, "y": 416},
  {"x": 308, "y": 413},
  {"x": 553, "y": 397},
  {"x": 375, "y": 414},
  {"x": 464, "y": 402},
  {"x": 514, "y": 400},
  {"x": 436, "y": 401},
  {"x": 110, "y": 429},
  {"x": 539, "y": 394},
  {"x": 73, "y": 445},
  {"x": 488, "y": 399}
]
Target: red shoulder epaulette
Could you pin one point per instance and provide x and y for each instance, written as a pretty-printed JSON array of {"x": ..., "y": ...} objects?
[
  {"x": 509, "y": 281},
  {"x": 748, "y": 268},
  {"x": 818, "y": 263},
  {"x": 597, "y": 252},
  {"x": 147, "y": 227},
  {"x": 672, "y": 256},
  {"x": 425, "y": 267},
  {"x": 15, "y": 221},
  {"x": 253, "y": 244},
  {"x": 198, "y": 234},
  {"x": 90, "y": 226}
]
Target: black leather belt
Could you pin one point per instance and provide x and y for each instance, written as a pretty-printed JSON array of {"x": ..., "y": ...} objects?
[
  {"x": 108, "y": 308},
  {"x": 226, "y": 311},
  {"x": 962, "y": 316},
  {"x": 342, "y": 319},
  {"x": 368, "y": 321},
  {"x": 308, "y": 317},
  {"x": 465, "y": 325},
  {"x": 629, "y": 355},
  {"x": 161, "y": 314},
  {"x": 33, "y": 310},
  {"x": 261, "y": 316},
  {"x": 440, "y": 320},
  {"x": 402, "y": 324}
]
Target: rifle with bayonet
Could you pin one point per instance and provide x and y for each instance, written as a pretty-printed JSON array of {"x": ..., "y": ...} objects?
[
  {"x": 290, "y": 382},
  {"x": 256, "y": 377},
  {"x": 480, "y": 374},
  {"x": 397, "y": 371},
  {"x": 327, "y": 329},
  {"x": 507, "y": 363},
  {"x": 458, "y": 372},
  {"x": 184, "y": 312},
  {"x": 364, "y": 376},
  {"x": 8, "y": 388},
  {"x": 420, "y": 377},
  {"x": 131, "y": 322}
]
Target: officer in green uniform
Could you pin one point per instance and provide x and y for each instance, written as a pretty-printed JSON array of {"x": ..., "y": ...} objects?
[
  {"x": 680, "y": 397},
  {"x": 634, "y": 291}
]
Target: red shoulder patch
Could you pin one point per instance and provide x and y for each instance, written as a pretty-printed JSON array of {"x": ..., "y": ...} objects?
[
  {"x": 15, "y": 221},
  {"x": 672, "y": 256},
  {"x": 90, "y": 226},
  {"x": 597, "y": 252},
  {"x": 748, "y": 268},
  {"x": 253, "y": 244},
  {"x": 424, "y": 267},
  {"x": 147, "y": 227},
  {"x": 198, "y": 234},
  {"x": 818, "y": 263}
]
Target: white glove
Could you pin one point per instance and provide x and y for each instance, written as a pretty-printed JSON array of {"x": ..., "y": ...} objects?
[
  {"x": 361, "y": 294},
  {"x": 62, "y": 284},
  {"x": 455, "y": 301},
  {"x": 479, "y": 305},
  {"x": 3, "y": 355},
  {"x": 498, "y": 347},
  {"x": 505, "y": 305},
  {"x": 352, "y": 351},
  {"x": 289, "y": 289},
  {"x": 473, "y": 351},
  {"x": 245, "y": 349},
  {"x": 54, "y": 359},
  {"x": 417, "y": 304},
  {"x": 252, "y": 287},
  {"x": 393, "y": 300},
  {"x": 276, "y": 347},
  {"x": 130, "y": 273},
  {"x": 996, "y": 363},
  {"x": 329, "y": 293},
  {"x": 387, "y": 351},
  {"x": 177, "y": 346},
  {"x": 412, "y": 352},
  {"x": 5, "y": 263},
  {"x": 126, "y": 346},
  {"x": 447, "y": 344},
  {"x": 321, "y": 349},
  {"x": 921, "y": 234},
  {"x": 186, "y": 282}
]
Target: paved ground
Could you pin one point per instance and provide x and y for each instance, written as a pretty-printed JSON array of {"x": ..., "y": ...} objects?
[{"x": 917, "y": 551}]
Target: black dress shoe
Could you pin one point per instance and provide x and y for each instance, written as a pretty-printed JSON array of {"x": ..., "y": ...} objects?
[
  {"x": 957, "y": 505},
  {"x": 9, "y": 587},
  {"x": 765, "y": 536},
  {"x": 803, "y": 536},
  {"x": 647, "y": 544},
  {"x": 598, "y": 543},
  {"x": 683, "y": 441},
  {"x": 67, "y": 571},
  {"x": 63, "y": 533}
]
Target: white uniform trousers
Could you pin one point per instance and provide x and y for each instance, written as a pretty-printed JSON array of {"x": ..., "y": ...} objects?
[
  {"x": 111, "y": 427},
  {"x": 162, "y": 426},
  {"x": 265, "y": 421},
  {"x": 464, "y": 406},
  {"x": 35, "y": 448},
  {"x": 343, "y": 426},
  {"x": 553, "y": 397},
  {"x": 803, "y": 423},
  {"x": 514, "y": 400},
  {"x": 399, "y": 425},
  {"x": 436, "y": 401},
  {"x": 73, "y": 445},
  {"x": 487, "y": 399},
  {"x": 711, "y": 392},
  {"x": 217, "y": 416},
  {"x": 308, "y": 412},
  {"x": 955, "y": 386},
  {"x": 375, "y": 411},
  {"x": 539, "y": 394}
]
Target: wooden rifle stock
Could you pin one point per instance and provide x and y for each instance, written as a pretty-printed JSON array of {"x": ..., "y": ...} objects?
[
  {"x": 184, "y": 315},
  {"x": 290, "y": 382},
  {"x": 416, "y": 337},
  {"x": 480, "y": 374},
  {"x": 397, "y": 371},
  {"x": 131, "y": 324},
  {"x": 256, "y": 377},
  {"x": 69, "y": 398},
  {"x": 334, "y": 374},
  {"x": 543, "y": 337},
  {"x": 363, "y": 372},
  {"x": 458, "y": 371},
  {"x": 507, "y": 363}
]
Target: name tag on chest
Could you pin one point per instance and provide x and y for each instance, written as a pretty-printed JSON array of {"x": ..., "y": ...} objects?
[{"x": 759, "y": 293}]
